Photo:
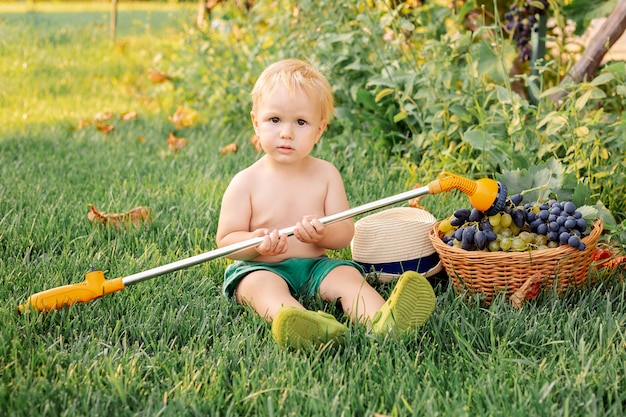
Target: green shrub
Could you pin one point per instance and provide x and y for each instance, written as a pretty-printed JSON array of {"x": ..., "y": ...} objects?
[{"x": 418, "y": 84}]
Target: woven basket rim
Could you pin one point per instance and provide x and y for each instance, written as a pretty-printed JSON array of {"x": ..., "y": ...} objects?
[{"x": 522, "y": 256}]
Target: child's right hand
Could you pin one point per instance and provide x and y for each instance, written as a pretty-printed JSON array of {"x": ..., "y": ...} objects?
[{"x": 273, "y": 244}]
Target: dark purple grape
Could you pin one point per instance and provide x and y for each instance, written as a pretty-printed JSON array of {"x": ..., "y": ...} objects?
[
  {"x": 516, "y": 199},
  {"x": 534, "y": 226},
  {"x": 582, "y": 245},
  {"x": 480, "y": 240},
  {"x": 475, "y": 215},
  {"x": 570, "y": 224},
  {"x": 564, "y": 238},
  {"x": 485, "y": 226},
  {"x": 458, "y": 233},
  {"x": 542, "y": 229},
  {"x": 456, "y": 222},
  {"x": 518, "y": 217},
  {"x": 462, "y": 213},
  {"x": 468, "y": 235},
  {"x": 573, "y": 241},
  {"x": 569, "y": 207}
]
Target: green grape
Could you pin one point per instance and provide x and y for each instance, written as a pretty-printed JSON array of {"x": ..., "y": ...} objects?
[
  {"x": 526, "y": 237},
  {"x": 445, "y": 226},
  {"x": 506, "y": 232},
  {"x": 495, "y": 219},
  {"x": 541, "y": 240},
  {"x": 506, "y": 243},
  {"x": 494, "y": 246},
  {"x": 505, "y": 219},
  {"x": 518, "y": 245}
]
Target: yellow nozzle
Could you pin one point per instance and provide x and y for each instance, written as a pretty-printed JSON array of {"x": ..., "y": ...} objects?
[
  {"x": 485, "y": 194},
  {"x": 94, "y": 286}
]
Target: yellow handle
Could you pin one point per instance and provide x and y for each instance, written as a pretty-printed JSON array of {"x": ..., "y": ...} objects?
[
  {"x": 448, "y": 181},
  {"x": 486, "y": 195},
  {"x": 94, "y": 286}
]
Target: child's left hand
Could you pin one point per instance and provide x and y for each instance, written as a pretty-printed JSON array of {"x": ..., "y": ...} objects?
[{"x": 309, "y": 230}]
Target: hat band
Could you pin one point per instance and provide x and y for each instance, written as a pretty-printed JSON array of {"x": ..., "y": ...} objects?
[{"x": 420, "y": 265}]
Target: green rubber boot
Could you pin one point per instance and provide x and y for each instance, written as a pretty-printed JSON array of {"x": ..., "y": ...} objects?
[
  {"x": 410, "y": 304},
  {"x": 298, "y": 328}
]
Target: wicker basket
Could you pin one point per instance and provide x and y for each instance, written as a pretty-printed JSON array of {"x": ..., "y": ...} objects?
[{"x": 490, "y": 273}]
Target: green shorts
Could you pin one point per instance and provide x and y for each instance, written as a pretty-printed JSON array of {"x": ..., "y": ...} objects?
[{"x": 303, "y": 275}]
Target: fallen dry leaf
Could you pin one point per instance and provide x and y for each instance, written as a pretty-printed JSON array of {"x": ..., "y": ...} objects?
[
  {"x": 528, "y": 291},
  {"x": 136, "y": 217},
  {"x": 176, "y": 143},
  {"x": 157, "y": 76},
  {"x": 84, "y": 123},
  {"x": 254, "y": 140},
  {"x": 105, "y": 128},
  {"x": 128, "y": 115},
  {"x": 102, "y": 116},
  {"x": 230, "y": 148},
  {"x": 183, "y": 117}
]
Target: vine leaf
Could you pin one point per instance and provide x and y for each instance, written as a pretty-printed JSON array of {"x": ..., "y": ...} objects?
[{"x": 541, "y": 182}]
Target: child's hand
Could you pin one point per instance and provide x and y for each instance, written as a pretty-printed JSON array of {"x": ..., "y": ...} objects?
[
  {"x": 309, "y": 230},
  {"x": 273, "y": 244}
]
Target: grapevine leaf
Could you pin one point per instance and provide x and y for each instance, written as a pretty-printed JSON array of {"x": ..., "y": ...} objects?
[
  {"x": 581, "y": 193},
  {"x": 516, "y": 180},
  {"x": 589, "y": 213},
  {"x": 544, "y": 181},
  {"x": 479, "y": 139},
  {"x": 607, "y": 217}
]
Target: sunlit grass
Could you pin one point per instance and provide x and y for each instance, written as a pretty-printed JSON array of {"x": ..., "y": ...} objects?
[
  {"x": 173, "y": 345},
  {"x": 67, "y": 68}
]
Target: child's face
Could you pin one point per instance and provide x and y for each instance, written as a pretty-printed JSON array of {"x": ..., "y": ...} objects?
[{"x": 288, "y": 127}]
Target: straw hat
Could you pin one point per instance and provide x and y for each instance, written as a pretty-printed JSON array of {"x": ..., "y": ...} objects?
[{"x": 393, "y": 241}]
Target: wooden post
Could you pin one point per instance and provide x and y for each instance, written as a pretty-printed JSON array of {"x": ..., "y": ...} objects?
[
  {"x": 202, "y": 8},
  {"x": 586, "y": 66},
  {"x": 113, "y": 22}
]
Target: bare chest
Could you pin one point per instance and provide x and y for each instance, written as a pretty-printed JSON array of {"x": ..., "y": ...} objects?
[{"x": 282, "y": 203}]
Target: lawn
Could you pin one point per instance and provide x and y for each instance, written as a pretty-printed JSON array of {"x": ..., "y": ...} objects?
[{"x": 174, "y": 346}]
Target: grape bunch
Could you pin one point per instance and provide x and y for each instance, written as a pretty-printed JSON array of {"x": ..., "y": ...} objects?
[
  {"x": 517, "y": 227},
  {"x": 520, "y": 20}
]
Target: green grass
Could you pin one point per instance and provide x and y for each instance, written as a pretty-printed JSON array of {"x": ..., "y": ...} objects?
[{"x": 173, "y": 345}]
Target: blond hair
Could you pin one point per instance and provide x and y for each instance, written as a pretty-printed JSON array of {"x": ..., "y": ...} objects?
[{"x": 294, "y": 74}]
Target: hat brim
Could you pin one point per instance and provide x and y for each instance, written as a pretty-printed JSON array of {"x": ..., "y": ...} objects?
[
  {"x": 393, "y": 241},
  {"x": 390, "y": 271}
]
